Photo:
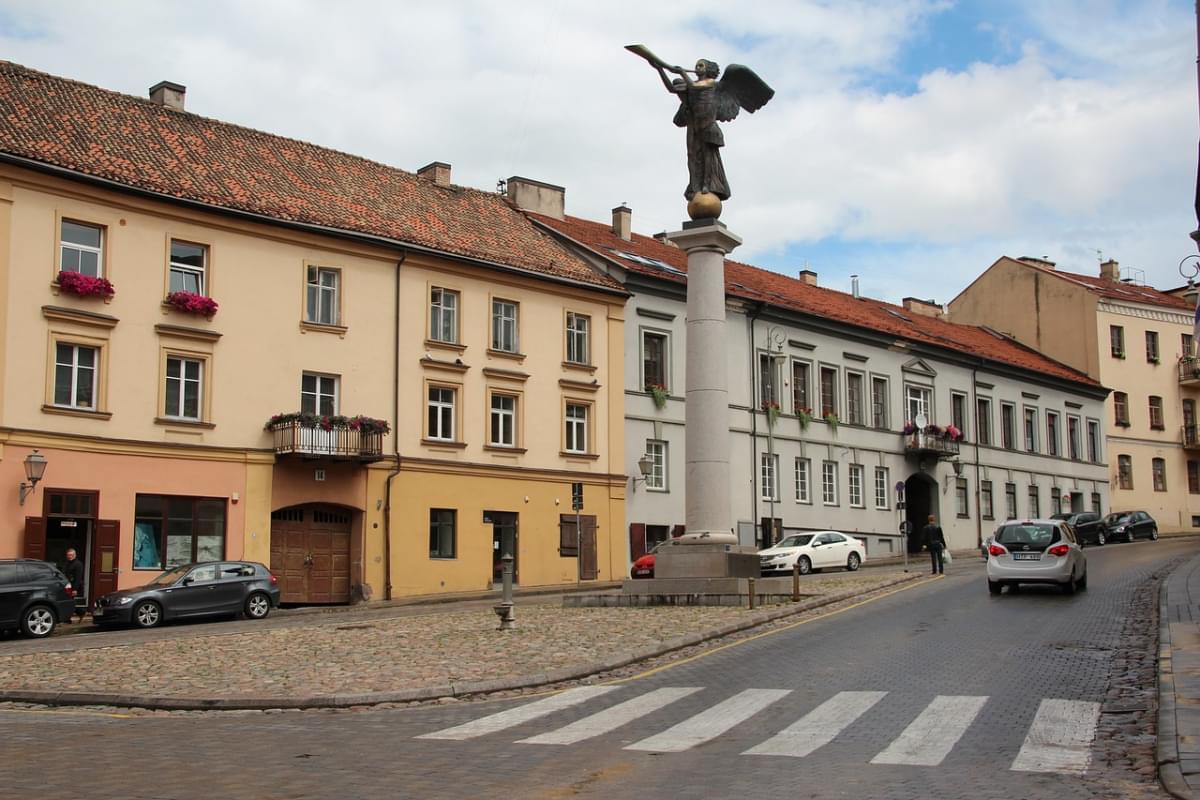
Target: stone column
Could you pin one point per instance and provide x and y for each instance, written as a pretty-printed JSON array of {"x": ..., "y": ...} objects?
[{"x": 708, "y": 513}]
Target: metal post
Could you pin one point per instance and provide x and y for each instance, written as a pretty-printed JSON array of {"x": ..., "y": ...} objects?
[
  {"x": 796, "y": 582},
  {"x": 578, "y": 552},
  {"x": 505, "y": 610},
  {"x": 750, "y": 582}
]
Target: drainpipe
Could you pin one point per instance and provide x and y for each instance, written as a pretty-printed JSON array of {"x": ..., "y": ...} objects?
[
  {"x": 750, "y": 318},
  {"x": 387, "y": 490}
]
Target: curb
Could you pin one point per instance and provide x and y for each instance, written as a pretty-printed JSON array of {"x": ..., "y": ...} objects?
[
  {"x": 436, "y": 692},
  {"x": 1169, "y": 773}
]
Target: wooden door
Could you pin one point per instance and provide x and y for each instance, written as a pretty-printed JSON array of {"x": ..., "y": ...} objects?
[
  {"x": 35, "y": 538},
  {"x": 105, "y": 562},
  {"x": 310, "y": 554}
]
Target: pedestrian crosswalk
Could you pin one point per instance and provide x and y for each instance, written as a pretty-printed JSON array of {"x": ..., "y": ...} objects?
[{"x": 1058, "y": 740}]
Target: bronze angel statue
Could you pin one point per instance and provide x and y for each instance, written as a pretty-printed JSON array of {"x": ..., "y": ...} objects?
[{"x": 703, "y": 102}]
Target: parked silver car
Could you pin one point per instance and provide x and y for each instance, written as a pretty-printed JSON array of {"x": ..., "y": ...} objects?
[{"x": 1036, "y": 551}]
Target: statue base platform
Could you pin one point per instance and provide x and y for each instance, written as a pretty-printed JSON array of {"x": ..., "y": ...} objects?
[
  {"x": 689, "y": 592},
  {"x": 702, "y": 559}
]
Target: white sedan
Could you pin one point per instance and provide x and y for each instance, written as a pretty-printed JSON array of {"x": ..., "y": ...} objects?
[{"x": 813, "y": 550}]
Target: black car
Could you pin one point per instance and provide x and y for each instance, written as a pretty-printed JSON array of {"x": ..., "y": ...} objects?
[
  {"x": 1129, "y": 525},
  {"x": 34, "y": 596},
  {"x": 1088, "y": 527},
  {"x": 193, "y": 590}
]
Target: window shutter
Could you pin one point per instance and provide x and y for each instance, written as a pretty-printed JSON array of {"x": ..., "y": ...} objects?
[
  {"x": 568, "y": 545},
  {"x": 35, "y": 538}
]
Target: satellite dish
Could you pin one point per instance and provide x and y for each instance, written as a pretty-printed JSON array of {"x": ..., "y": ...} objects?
[{"x": 921, "y": 420}]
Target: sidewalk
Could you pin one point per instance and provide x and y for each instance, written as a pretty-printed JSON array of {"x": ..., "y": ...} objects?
[{"x": 1179, "y": 681}]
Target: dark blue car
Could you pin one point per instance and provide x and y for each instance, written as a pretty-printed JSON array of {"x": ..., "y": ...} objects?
[{"x": 193, "y": 590}]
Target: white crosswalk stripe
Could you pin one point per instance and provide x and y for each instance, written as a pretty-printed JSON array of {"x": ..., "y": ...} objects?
[
  {"x": 820, "y": 726},
  {"x": 1060, "y": 738},
  {"x": 711, "y": 723},
  {"x": 516, "y": 716},
  {"x": 612, "y": 718},
  {"x": 929, "y": 738}
]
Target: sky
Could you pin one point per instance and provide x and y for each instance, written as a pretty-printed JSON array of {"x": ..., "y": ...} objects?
[{"x": 909, "y": 142}]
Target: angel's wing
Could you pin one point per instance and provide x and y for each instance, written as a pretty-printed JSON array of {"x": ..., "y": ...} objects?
[{"x": 738, "y": 88}]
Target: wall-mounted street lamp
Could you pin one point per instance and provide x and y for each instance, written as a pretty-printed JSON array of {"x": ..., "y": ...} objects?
[
  {"x": 35, "y": 468},
  {"x": 645, "y": 466}
]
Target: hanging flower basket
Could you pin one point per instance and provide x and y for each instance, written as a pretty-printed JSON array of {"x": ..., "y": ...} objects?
[
  {"x": 328, "y": 423},
  {"x": 805, "y": 415},
  {"x": 84, "y": 285},
  {"x": 954, "y": 434},
  {"x": 192, "y": 303},
  {"x": 772, "y": 409},
  {"x": 659, "y": 393},
  {"x": 909, "y": 429},
  {"x": 832, "y": 420}
]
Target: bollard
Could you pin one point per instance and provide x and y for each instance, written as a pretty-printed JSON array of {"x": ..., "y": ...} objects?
[
  {"x": 796, "y": 582},
  {"x": 750, "y": 581},
  {"x": 505, "y": 610}
]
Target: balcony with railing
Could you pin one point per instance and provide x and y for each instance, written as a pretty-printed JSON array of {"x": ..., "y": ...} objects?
[
  {"x": 1189, "y": 437},
  {"x": 1189, "y": 371},
  {"x": 309, "y": 437},
  {"x": 925, "y": 444}
]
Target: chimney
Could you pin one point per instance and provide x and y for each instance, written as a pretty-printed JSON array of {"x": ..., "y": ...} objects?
[
  {"x": 622, "y": 217},
  {"x": 168, "y": 95},
  {"x": 1111, "y": 271},
  {"x": 661, "y": 236},
  {"x": 540, "y": 198},
  {"x": 854, "y": 286},
  {"x": 436, "y": 171},
  {"x": 808, "y": 276},
  {"x": 1043, "y": 262},
  {"x": 926, "y": 308}
]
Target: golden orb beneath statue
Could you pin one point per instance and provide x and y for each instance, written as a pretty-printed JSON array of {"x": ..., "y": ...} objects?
[{"x": 704, "y": 205}]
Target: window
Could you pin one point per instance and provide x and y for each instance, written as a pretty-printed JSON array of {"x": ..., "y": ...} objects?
[
  {"x": 504, "y": 326},
  {"x": 443, "y": 315},
  {"x": 1031, "y": 431},
  {"x": 879, "y": 403},
  {"x": 1010, "y": 501},
  {"x": 1193, "y": 473},
  {"x": 800, "y": 397},
  {"x": 1096, "y": 502},
  {"x": 1158, "y": 468},
  {"x": 1116, "y": 339},
  {"x": 829, "y": 404},
  {"x": 855, "y": 413},
  {"x": 75, "y": 368},
  {"x": 829, "y": 488},
  {"x": 576, "y": 431},
  {"x": 1125, "y": 472},
  {"x": 1073, "y": 441},
  {"x": 81, "y": 249},
  {"x": 854, "y": 486},
  {"x": 654, "y": 359},
  {"x": 958, "y": 411},
  {"x": 918, "y": 401},
  {"x": 322, "y": 308},
  {"x": 983, "y": 420},
  {"x": 1121, "y": 408},
  {"x": 441, "y": 410},
  {"x": 1152, "y": 347},
  {"x": 803, "y": 469},
  {"x": 503, "y": 419},
  {"x": 188, "y": 267},
  {"x": 881, "y": 487},
  {"x": 172, "y": 531},
  {"x": 962, "y": 502},
  {"x": 1055, "y": 500},
  {"x": 1156, "y": 413},
  {"x": 577, "y": 338},
  {"x": 1052, "y": 433},
  {"x": 442, "y": 536},
  {"x": 656, "y": 481},
  {"x": 318, "y": 394},
  {"x": 1186, "y": 345},
  {"x": 1093, "y": 441},
  {"x": 184, "y": 388},
  {"x": 770, "y": 468},
  {"x": 985, "y": 500},
  {"x": 1008, "y": 426},
  {"x": 768, "y": 380},
  {"x": 1035, "y": 505}
]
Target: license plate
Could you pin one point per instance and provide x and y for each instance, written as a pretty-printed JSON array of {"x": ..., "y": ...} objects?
[
  {"x": 1027, "y": 556},
  {"x": 641, "y": 572}
]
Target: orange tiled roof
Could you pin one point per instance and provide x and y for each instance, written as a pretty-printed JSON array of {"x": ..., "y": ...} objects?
[
  {"x": 1129, "y": 292},
  {"x": 753, "y": 283},
  {"x": 139, "y": 144}
]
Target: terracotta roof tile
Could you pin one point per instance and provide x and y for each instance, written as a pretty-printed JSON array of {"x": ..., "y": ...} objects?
[
  {"x": 1129, "y": 292},
  {"x": 140, "y": 144}
]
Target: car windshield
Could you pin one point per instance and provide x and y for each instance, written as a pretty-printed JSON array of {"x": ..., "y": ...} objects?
[
  {"x": 1027, "y": 533},
  {"x": 170, "y": 576},
  {"x": 1113, "y": 519},
  {"x": 796, "y": 540}
]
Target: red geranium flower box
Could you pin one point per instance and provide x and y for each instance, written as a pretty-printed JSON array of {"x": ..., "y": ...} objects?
[
  {"x": 84, "y": 285},
  {"x": 192, "y": 303}
]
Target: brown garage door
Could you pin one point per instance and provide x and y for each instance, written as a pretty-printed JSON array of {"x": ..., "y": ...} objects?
[{"x": 310, "y": 553}]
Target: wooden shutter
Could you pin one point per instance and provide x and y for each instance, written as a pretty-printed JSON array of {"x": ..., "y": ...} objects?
[
  {"x": 637, "y": 540},
  {"x": 588, "y": 567},
  {"x": 35, "y": 538},
  {"x": 567, "y": 544},
  {"x": 105, "y": 557}
]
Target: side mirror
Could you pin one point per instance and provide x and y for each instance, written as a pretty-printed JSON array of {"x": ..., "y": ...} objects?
[{"x": 188, "y": 581}]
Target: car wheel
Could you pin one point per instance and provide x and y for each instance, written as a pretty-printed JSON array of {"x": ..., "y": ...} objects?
[
  {"x": 1083, "y": 581},
  {"x": 147, "y": 614},
  {"x": 1100, "y": 538},
  {"x": 258, "y": 605},
  {"x": 37, "y": 622},
  {"x": 994, "y": 587},
  {"x": 1072, "y": 585},
  {"x": 1154, "y": 534},
  {"x": 853, "y": 562},
  {"x": 804, "y": 564}
]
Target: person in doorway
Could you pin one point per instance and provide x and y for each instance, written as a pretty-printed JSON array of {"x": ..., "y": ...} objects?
[
  {"x": 73, "y": 569},
  {"x": 937, "y": 544}
]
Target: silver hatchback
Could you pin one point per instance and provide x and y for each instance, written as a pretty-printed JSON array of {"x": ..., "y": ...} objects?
[{"x": 1036, "y": 551}]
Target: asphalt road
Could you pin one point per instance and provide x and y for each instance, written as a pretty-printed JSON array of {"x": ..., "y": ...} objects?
[{"x": 938, "y": 691}]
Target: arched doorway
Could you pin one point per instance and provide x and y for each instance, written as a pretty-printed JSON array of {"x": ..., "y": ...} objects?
[
  {"x": 310, "y": 553},
  {"x": 920, "y": 500}
]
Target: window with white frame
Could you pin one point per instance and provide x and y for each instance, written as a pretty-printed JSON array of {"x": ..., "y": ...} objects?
[
  {"x": 1052, "y": 432},
  {"x": 322, "y": 297},
  {"x": 655, "y": 348},
  {"x": 829, "y": 483},
  {"x": 881, "y": 487},
  {"x": 1008, "y": 427},
  {"x": 185, "y": 385},
  {"x": 769, "y": 469},
  {"x": 1055, "y": 500},
  {"x": 1096, "y": 502},
  {"x": 504, "y": 326},
  {"x": 576, "y": 428},
  {"x": 440, "y": 409},
  {"x": 443, "y": 315},
  {"x": 1156, "y": 413},
  {"x": 1031, "y": 430},
  {"x": 656, "y": 481},
  {"x": 1093, "y": 441},
  {"x": 503, "y": 419},
  {"x": 958, "y": 411},
  {"x": 855, "y": 411},
  {"x": 189, "y": 265},
  {"x": 803, "y": 480},
  {"x": 1010, "y": 501},
  {"x": 918, "y": 402},
  {"x": 801, "y": 400},
  {"x": 985, "y": 499},
  {"x": 1073, "y": 440},
  {"x": 983, "y": 420},
  {"x": 854, "y": 486},
  {"x": 81, "y": 248},
  {"x": 829, "y": 398},
  {"x": 962, "y": 503},
  {"x": 577, "y": 338},
  {"x": 1124, "y": 472},
  {"x": 768, "y": 380},
  {"x": 318, "y": 394},
  {"x": 1035, "y": 502},
  {"x": 879, "y": 403},
  {"x": 1158, "y": 470},
  {"x": 75, "y": 370}
]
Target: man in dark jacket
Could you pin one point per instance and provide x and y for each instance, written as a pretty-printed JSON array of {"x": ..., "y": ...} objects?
[
  {"x": 73, "y": 569},
  {"x": 937, "y": 543}
]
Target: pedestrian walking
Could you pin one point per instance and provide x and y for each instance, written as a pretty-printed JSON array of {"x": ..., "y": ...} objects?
[
  {"x": 73, "y": 569},
  {"x": 937, "y": 544}
]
